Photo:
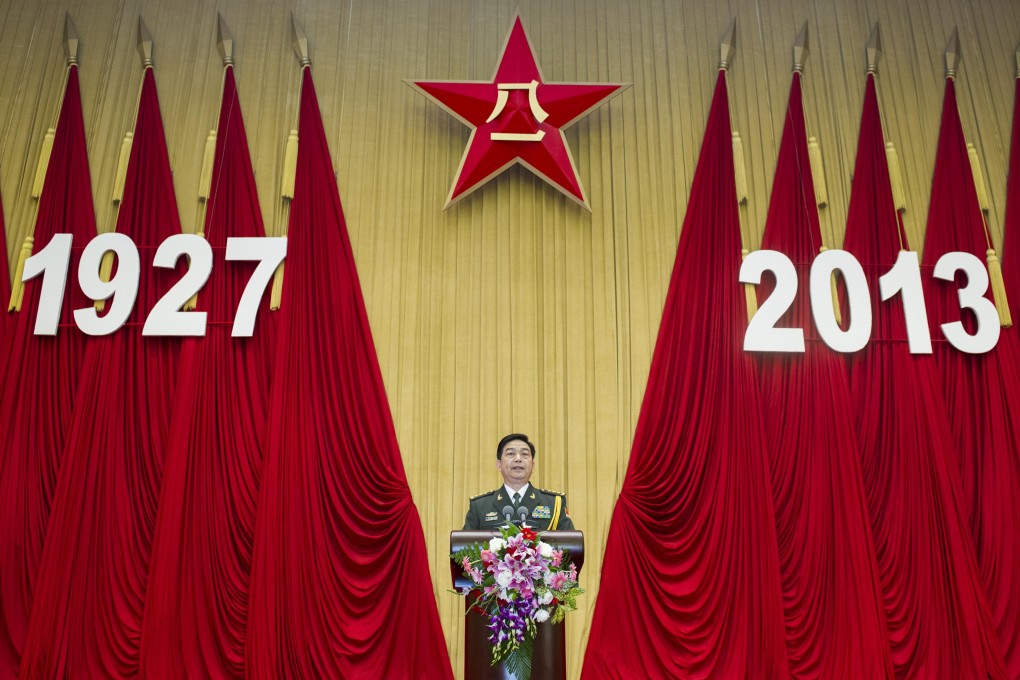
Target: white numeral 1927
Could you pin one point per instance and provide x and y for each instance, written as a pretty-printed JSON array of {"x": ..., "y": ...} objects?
[
  {"x": 165, "y": 318},
  {"x": 904, "y": 278}
]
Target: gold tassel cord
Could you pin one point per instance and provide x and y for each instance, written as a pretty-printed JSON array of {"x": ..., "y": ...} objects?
[
  {"x": 896, "y": 186},
  {"x": 751, "y": 297},
  {"x": 44, "y": 162},
  {"x": 739, "y": 169},
  {"x": 17, "y": 287},
  {"x": 276, "y": 295},
  {"x": 992, "y": 259},
  {"x": 895, "y": 178},
  {"x": 818, "y": 172},
  {"x": 837, "y": 311},
  {"x": 998, "y": 288},
  {"x": 122, "y": 165},
  {"x": 105, "y": 272},
  {"x": 192, "y": 304},
  {"x": 286, "y": 193},
  {"x": 995, "y": 278},
  {"x": 205, "y": 178},
  {"x": 979, "y": 178},
  {"x": 289, "y": 166}
]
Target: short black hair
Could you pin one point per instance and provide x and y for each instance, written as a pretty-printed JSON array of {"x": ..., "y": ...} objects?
[{"x": 511, "y": 437}]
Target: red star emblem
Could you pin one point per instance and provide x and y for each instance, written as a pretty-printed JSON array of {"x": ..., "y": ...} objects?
[{"x": 517, "y": 117}]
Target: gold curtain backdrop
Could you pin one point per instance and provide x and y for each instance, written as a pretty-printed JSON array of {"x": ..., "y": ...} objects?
[{"x": 514, "y": 309}]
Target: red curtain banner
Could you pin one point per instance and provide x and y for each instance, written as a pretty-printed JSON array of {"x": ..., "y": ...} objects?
[
  {"x": 87, "y": 617},
  {"x": 1011, "y": 225},
  {"x": 40, "y": 378},
  {"x": 982, "y": 391},
  {"x": 935, "y": 606},
  {"x": 691, "y": 584},
  {"x": 340, "y": 580},
  {"x": 1009, "y": 630},
  {"x": 197, "y": 603},
  {"x": 835, "y": 622}
]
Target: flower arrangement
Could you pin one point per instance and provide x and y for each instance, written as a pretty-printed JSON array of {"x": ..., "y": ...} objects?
[{"x": 519, "y": 582}]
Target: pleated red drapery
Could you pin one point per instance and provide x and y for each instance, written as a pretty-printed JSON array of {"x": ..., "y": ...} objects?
[
  {"x": 935, "y": 606},
  {"x": 87, "y": 617},
  {"x": 40, "y": 381},
  {"x": 340, "y": 580},
  {"x": 197, "y": 603},
  {"x": 982, "y": 391},
  {"x": 835, "y": 622},
  {"x": 1011, "y": 225},
  {"x": 691, "y": 583}
]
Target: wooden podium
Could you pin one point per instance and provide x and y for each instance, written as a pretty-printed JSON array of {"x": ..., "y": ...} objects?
[{"x": 549, "y": 659}]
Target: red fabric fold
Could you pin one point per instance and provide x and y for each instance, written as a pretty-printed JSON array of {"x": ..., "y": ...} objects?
[
  {"x": 835, "y": 622},
  {"x": 340, "y": 580},
  {"x": 87, "y": 617},
  {"x": 197, "y": 602},
  {"x": 982, "y": 391},
  {"x": 1004, "y": 602},
  {"x": 691, "y": 583},
  {"x": 935, "y": 607},
  {"x": 1011, "y": 224},
  {"x": 40, "y": 381}
]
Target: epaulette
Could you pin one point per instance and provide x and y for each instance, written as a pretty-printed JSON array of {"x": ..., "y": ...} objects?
[
  {"x": 552, "y": 493},
  {"x": 483, "y": 495}
]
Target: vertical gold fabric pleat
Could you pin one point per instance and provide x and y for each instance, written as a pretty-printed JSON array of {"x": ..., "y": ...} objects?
[{"x": 514, "y": 310}]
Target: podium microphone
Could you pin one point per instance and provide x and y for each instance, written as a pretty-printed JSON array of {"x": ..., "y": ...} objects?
[
  {"x": 522, "y": 512},
  {"x": 508, "y": 513}
]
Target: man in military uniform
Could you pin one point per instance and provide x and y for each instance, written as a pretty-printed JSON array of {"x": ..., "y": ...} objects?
[{"x": 538, "y": 508}]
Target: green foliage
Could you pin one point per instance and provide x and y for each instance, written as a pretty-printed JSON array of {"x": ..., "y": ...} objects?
[
  {"x": 567, "y": 602},
  {"x": 518, "y": 661}
]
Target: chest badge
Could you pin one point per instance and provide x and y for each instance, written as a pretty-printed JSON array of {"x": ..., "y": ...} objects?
[
  {"x": 541, "y": 512},
  {"x": 491, "y": 517}
]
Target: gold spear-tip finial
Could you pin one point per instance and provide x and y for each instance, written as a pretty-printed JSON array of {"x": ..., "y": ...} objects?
[
  {"x": 727, "y": 45},
  {"x": 953, "y": 54},
  {"x": 299, "y": 41},
  {"x": 70, "y": 40},
  {"x": 224, "y": 40},
  {"x": 144, "y": 43},
  {"x": 873, "y": 49},
  {"x": 800, "y": 49}
]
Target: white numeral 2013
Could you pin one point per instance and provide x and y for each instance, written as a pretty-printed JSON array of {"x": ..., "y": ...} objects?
[
  {"x": 904, "y": 278},
  {"x": 165, "y": 318}
]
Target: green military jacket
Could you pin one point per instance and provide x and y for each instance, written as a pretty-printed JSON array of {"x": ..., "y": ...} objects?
[{"x": 547, "y": 510}]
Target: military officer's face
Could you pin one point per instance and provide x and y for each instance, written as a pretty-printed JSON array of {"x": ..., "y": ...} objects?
[{"x": 517, "y": 463}]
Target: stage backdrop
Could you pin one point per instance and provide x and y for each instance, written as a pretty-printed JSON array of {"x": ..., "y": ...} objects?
[{"x": 515, "y": 309}]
